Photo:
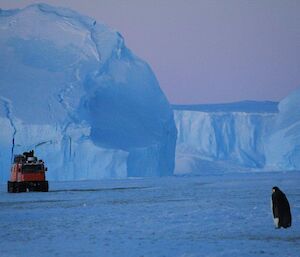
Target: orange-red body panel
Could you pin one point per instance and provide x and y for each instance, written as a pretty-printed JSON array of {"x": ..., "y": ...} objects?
[
  {"x": 37, "y": 176},
  {"x": 17, "y": 175}
]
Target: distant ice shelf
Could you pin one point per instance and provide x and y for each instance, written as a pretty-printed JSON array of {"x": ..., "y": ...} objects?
[
  {"x": 240, "y": 136},
  {"x": 243, "y": 106}
]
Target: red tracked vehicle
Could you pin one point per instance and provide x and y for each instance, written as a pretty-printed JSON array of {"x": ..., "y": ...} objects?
[{"x": 27, "y": 174}]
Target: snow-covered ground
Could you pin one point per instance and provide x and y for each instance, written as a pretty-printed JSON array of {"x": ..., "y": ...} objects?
[{"x": 208, "y": 215}]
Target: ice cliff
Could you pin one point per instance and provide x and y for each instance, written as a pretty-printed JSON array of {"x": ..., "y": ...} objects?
[
  {"x": 283, "y": 144},
  {"x": 239, "y": 136},
  {"x": 71, "y": 90},
  {"x": 223, "y": 137}
]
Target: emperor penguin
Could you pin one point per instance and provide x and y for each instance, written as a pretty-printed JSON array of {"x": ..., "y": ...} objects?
[{"x": 281, "y": 209}]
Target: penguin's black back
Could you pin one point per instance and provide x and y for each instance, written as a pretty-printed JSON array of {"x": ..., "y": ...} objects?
[{"x": 281, "y": 208}]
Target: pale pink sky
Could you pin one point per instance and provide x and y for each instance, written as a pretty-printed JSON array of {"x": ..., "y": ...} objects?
[{"x": 206, "y": 51}]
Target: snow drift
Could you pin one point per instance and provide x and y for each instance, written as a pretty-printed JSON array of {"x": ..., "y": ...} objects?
[{"x": 71, "y": 90}]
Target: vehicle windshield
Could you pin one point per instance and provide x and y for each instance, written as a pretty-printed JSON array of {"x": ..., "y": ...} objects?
[{"x": 32, "y": 168}]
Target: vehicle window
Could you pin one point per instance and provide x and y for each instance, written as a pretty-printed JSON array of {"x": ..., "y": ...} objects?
[{"x": 32, "y": 168}]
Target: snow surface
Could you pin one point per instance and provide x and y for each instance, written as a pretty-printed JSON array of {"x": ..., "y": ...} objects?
[
  {"x": 72, "y": 91},
  {"x": 211, "y": 215},
  {"x": 238, "y": 136}
]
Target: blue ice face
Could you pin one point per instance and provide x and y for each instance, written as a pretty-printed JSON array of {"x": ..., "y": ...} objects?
[
  {"x": 74, "y": 89},
  {"x": 43, "y": 54}
]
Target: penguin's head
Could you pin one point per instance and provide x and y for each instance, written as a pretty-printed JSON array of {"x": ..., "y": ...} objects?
[{"x": 275, "y": 189}]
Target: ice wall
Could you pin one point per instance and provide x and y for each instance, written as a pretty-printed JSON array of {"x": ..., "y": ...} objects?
[
  {"x": 71, "y": 90},
  {"x": 283, "y": 144},
  {"x": 239, "y": 136},
  {"x": 216, "y": 140}
]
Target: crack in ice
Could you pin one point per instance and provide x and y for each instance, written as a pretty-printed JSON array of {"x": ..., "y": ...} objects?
[{"x": 8, "y": 111}]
